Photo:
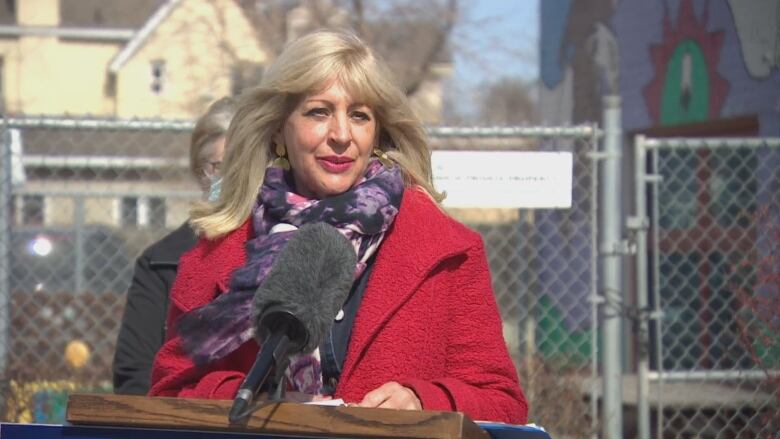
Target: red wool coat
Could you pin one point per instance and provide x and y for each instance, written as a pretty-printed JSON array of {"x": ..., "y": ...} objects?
[{"x": 428, "y": 320}]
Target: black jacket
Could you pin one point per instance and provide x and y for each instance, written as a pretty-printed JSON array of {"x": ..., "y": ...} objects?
[{"x": 143, "y": 323}]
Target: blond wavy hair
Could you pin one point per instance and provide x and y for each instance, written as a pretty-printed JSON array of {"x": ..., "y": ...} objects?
[{"x": 308, "y": 65}]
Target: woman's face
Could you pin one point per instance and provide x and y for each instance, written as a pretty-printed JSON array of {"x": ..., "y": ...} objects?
[
  {"x": 329, "y": 139},
  {"x": 211, "y": 156}
]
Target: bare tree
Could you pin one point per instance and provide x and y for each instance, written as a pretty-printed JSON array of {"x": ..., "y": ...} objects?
[
  {"x": 508, "y": 101},
  {"x": 413, "y": 36}
]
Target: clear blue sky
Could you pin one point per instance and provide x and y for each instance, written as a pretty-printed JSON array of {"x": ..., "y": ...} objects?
[{"x": 499, "y": 38}]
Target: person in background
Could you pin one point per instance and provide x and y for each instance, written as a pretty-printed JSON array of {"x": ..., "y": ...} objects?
[
  {"x": 143, "y": 323},
  {"x": 328, "y": 137}
]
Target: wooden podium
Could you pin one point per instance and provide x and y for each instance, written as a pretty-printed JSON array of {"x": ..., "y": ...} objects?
[
  {"x": 274, "y": 419},
  {"x": 106, "y": 416}
]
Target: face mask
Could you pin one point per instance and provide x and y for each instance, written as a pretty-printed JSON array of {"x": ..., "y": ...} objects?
[{"x": 215, "y": 187}]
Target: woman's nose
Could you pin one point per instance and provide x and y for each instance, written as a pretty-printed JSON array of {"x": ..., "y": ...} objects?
[{"x": 339, "y": 129}]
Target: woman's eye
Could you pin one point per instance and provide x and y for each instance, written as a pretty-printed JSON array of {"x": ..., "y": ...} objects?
[
  {"x": 361, "y": 115},
  {"x": 317, "y": 112}
]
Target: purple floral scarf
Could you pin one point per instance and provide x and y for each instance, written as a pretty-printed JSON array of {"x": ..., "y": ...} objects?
[{"x": 363, "y": 214}]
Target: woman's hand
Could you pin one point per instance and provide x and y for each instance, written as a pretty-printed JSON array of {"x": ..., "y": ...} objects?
[{"x": 391, "y": 395}]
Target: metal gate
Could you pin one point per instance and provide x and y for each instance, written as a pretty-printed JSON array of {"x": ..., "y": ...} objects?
[{"x": 708, "y": 232}]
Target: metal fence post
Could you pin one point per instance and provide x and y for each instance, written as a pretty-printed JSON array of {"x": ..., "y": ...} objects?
[
  {"x": 639, "y": 225},
  {"x": 5, "y": 240},
  {"x": 78, "y": 225},
  {"x": 611, "y": 269}
]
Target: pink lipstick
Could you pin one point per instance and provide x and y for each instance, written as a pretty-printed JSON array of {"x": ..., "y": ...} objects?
[{"x": 335, "y": 164}]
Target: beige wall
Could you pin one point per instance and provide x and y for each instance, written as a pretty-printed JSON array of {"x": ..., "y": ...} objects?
[
  {"x": 38, "y": 12},
  {"x": 199, "y": 42},
  {"x": 47, "y": 75},
  {"x": 44, "y": 75}
]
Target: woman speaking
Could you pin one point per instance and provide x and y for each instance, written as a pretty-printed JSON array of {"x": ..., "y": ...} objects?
[{"x": 328, "y": 138}]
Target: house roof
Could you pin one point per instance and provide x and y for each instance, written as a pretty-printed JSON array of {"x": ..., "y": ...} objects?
[
  {"x": 142, "y": 35},
  {"x": 7, "y": 12},
  {"x": 93, "y": 14},
  {"x": 110, "y": 14}
]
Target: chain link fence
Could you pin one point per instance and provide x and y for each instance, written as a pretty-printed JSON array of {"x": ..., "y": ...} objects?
[
  {"x": 82, "y": 198},
  {"x": 543, "y": 263},
  {"x": 714, "y": 345}
]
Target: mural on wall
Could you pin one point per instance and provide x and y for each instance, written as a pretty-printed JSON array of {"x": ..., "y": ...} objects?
[
  {"x": 579, "y": 59},
  {"x": 579, "y": 64},
  {"x": 758, "y": 27},
  {"x": 687, "y": 87}
]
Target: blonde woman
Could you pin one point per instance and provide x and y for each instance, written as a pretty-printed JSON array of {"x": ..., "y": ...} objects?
[{"x": 327, "y": 137}]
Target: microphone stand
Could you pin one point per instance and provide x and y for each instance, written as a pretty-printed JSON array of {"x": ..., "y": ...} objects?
[
  {"x": 259, "y": 374},
  {"x": 278, "y": 387}
]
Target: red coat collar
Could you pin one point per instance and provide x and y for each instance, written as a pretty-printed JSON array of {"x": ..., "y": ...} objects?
[{"x": 204, "y": 271}]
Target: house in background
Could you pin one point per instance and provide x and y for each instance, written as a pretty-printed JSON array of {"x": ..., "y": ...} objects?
[
  {"x": 138, "y": 59},
  {"x": 150, "y": 58}
]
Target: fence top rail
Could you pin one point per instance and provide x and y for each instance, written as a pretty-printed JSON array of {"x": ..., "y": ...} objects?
[
  {"x": 576, "y": 131},
  {"x": 108, "y": 193},
  {"x": 90, "y": 123},
  {"x": 711, "y": 142}
]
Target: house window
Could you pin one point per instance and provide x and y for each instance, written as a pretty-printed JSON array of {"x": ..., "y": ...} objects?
[
  {"x": 128, "y": 212},
  {"x": 157, "y": 212},
  {"x": 32, "y": 209},
  {"x": 158, "y": 76}
]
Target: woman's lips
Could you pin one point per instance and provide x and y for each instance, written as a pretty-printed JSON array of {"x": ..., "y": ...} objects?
[{"x": 335, "y": 164}]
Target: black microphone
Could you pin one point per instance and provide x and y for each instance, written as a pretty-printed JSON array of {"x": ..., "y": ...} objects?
[{"x": 295, "y": 306}]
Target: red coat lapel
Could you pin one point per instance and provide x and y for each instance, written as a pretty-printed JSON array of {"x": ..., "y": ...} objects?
[{"x": 421, "y": 237}]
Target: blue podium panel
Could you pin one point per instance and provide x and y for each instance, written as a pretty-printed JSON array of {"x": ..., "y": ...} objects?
[
  {"x": 506, "y": 431},
  {"x": 40, "y": 431}
]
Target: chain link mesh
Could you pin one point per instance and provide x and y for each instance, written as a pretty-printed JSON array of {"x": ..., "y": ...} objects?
[
  {"x": 543, "y": 262},
  {"x": 84, "y": 197},
  {"x": 715, "y": 237}
]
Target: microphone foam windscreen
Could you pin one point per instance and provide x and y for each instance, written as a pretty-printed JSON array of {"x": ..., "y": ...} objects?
[{"x": 310, "y": 279}]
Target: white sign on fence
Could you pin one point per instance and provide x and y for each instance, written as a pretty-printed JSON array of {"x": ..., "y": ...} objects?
[{"x": 504, "y": 179}]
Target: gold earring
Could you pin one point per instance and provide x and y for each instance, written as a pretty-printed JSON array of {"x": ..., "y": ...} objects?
[
  {"x": 281, "y": 161},
  {"x": 383, "y": 157}
]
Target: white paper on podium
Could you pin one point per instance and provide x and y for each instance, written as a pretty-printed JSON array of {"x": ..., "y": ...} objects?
[{"x": 330, "y": 402}]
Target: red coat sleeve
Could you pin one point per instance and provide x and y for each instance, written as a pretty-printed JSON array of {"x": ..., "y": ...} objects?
[
  {"x": 203, "y": 273},
  {"x": 480, "y": 378},
  {"x": 174, "y": 373}
]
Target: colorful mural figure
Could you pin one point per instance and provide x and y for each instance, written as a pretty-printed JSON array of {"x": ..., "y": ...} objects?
[
  {"x": 687, "y": 87},
  {"x": 758, "y": 27},
  {"x": 579, "y": 59}
]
